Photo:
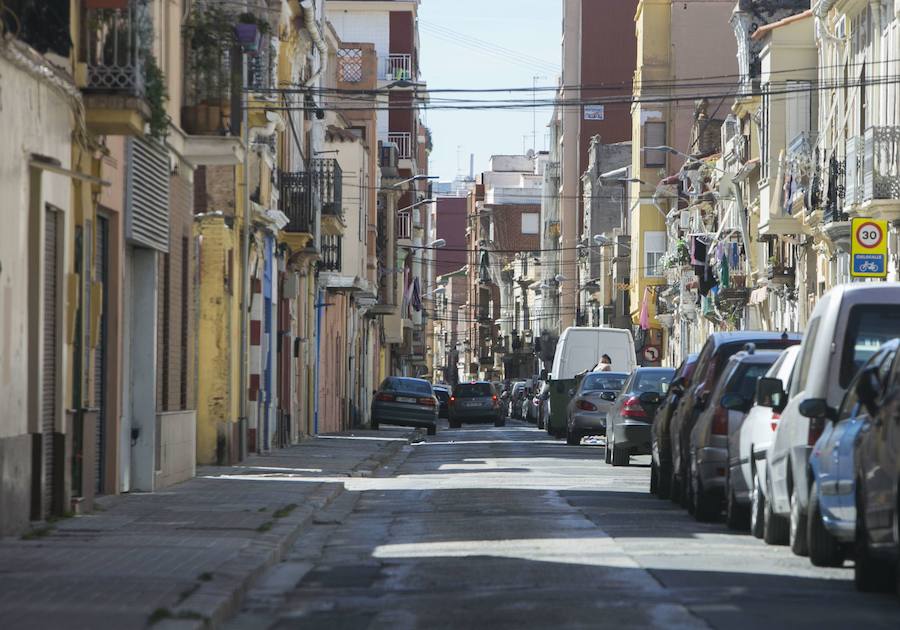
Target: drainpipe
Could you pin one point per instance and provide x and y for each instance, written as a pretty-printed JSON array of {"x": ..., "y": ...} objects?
[
  {"x": 245, "y": 275},
  {"x": 309, "y": 23}
]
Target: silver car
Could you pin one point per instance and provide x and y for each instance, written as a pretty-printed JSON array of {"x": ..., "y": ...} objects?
[
  {"x": 408, "y": 402},
  {"x": 628, "y": 420},
  {"x": 586, "y": 414},
  {"x": 729, "y": 403}
]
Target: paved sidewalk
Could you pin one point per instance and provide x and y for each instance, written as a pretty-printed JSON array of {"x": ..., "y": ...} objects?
[{"x": 185, "y": 556}]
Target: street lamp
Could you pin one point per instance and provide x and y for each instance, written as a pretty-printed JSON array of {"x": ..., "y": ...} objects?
[
  {"x": 604, "y": 241},
  {"x": 438, "y": 243},
  {"x": 417, "y": 204},
  {"x": 560, "y": 278},
  {"x": 416, "y": 178},
  {"x": 623, "y": 180}
]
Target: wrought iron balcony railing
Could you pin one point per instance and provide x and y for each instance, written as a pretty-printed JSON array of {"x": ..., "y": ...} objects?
[
  {"x": 116, "y": 43},
  {"x": 881, "y": 163},
  {"x": 331, "y": 253},
  {"x": 329, "y": 180},
  {"x": 298, "y": 200},
  {"x": 834, "y": 199}
]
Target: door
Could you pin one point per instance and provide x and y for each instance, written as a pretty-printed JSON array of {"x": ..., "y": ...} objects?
[
  {"x": 101, "y": 273},
  {"x": 49, "y": 364}
]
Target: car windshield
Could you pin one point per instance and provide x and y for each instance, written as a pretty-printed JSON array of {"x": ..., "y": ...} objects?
[
  {"x": 473, "y": 390},
  {"x": 744, "y": 382},
  {"x": 603, "y": 381},
  {"x": 406, "y": 385},
  {"x": 655, "y": 381},
  {"x": 442, "y": 394},
  {"x": 870, "y": 325}
]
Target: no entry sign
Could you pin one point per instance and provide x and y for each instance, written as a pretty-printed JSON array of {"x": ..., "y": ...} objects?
[{"x": 868, "y": 252}]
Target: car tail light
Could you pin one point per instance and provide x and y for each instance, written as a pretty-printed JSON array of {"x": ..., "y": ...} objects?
[
  {"x": 720, "y": 421},
  {"x": 428, "y": 402},
  {"x": 453, "y": 400},
  {"x": 496, "y": 401},
  {"x": 385, "y": 397},
  {"x": 586, "y": 406},
  {"x": 536, "y": 402},
  {"x": 631, "y": 408},
  {"x": 775, "y": 418},
  {"x": 816, "y": 427}
]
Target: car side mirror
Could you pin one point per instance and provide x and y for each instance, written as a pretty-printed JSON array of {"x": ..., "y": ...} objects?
[
  {"x": 702, "y": 400},
  {"x": 867, "y": 389},
  {"x": 571, "y": 392},
  {"x": 734, "y": 402},
  {"x": 770, "y": 393},
  {"x": 815, "y": 408},
  {"x": 650, "y": 398}
]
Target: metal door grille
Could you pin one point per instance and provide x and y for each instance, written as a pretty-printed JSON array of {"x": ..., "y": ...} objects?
[{"x": 49, "y": 366}]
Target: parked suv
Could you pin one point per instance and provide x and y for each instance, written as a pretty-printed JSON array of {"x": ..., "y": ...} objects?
[
  {"x": 660, "y": 446},
  {"x": 719, "y": 347},
  {"x": 747, "y": 448},
  {"x": 729, "y": 403},
  {"x": 847, "y": 327},
  {"x": 475, "y": 402},
  {"x": 877, "y": 476},
  {"x": 831, "y": 522}
]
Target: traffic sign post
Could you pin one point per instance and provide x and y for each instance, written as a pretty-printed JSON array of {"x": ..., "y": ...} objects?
[{"x": 868, "y": 250}]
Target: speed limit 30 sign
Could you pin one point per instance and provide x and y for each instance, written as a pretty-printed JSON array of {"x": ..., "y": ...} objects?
[{"x": 868, "y": 251}]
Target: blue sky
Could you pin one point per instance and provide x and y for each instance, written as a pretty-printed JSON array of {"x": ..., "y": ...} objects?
[{"x": 487, "y": 44}]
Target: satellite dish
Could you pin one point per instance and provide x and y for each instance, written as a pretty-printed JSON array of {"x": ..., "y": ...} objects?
[{"x": 530, "y": 153}]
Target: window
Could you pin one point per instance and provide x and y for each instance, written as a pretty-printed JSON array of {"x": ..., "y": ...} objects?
[
  {"x": 654, "y": 250},
  {"x": 745, "y": 383},
  {"x": 405, "y": 385},
  {"x": 868, "y": 327},
  {"x": 764, "y": 135},
  {"x": 473, "y": 390},
  {"x": 531, "y": 223},
  {"x": 654, "y": 136},
  {"x": 598, "y": 381},
  {"x": 652, "y": 382}
]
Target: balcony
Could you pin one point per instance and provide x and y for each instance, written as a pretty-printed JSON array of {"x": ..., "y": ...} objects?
[
  {"x": 404, "y": 226},
  {"x": 397, "y": 67},
  {"x": 331, "y": 254},
  {"x": 881, "y": 164},
  {"x": 329, "y": 183},
  {"x": 298, "y": 202},
  {"x": 389, "y": 157},
  {"x": 834, "y": 201},
  {"x": 403, "y": 141},
  {"x": 114, "y": 71}
]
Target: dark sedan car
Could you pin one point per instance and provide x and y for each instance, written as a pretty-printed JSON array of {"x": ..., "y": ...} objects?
[
  {"x": 443, "y": 393},
  {"x": 628, "y": 421},
  {"x": 475, "y": 402},
  {"x": 408, "y": 402},
  {"x": 719, "y": 347},
  {"x": 660, "y": 446},
  {"x": 876, "y": 456}
]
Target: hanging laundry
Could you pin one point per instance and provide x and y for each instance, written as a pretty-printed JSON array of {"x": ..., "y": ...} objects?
[
  {"x": 645, "y": 310},
  {"x": 735, "y": 256},
  {"x": 725, "y": 274}
]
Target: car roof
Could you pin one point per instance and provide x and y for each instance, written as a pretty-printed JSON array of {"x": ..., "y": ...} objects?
[
  {"x": 747, "y": 336},
  {"x": 610, "y": 373},
  {"x": 644, "y": 370},
  {"x": 759, "y": 356}
]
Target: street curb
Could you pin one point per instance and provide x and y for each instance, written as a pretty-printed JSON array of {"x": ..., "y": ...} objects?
[{"x": 216, "y": 601}]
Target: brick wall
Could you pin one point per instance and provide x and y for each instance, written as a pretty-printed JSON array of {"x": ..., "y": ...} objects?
[
  {"x": 215, "y": 189},
  {"x": 507, "y": 219}
]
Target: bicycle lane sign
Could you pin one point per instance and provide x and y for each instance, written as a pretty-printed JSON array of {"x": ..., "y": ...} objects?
[{"x": 868, "y": 250}]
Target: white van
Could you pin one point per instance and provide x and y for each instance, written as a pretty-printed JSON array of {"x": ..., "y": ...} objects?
[{"x": 579, "y": 350}]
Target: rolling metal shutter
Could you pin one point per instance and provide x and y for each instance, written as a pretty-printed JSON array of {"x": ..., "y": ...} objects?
[
  {"x": 147, "y": 195},
  {"x": 101, "y": 273},
  {"x": 50, "y": 354}
]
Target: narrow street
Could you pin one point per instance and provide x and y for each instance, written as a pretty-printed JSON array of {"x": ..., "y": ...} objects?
[{"x": 507, "y": 528}]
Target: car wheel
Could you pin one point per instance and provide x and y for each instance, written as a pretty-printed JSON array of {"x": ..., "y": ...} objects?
[
  {"x": 798, "y": 525},
  {"x": 432, "y": 430},
  {"x": 499, "y": 423},
  {"x": 687, "y": 490},
  {"x": 455, "y": 424},
  {"x": 776, "y": 529},
  {"x": 675, "y": 490},
  {"x": 573, "y": 438},
  {"x": 870, "y": 574},
  {"x": 654, "y": 478},
  {"x": 757, "y": 507},
  {"x": 706, "y": 507},
  {"x": 620, "y": 456},
  {"x": 373, "y": 425},
  {"x": 824, "y": 549},
  {"x": 736, "y": 515},
  {"x": 607, "y": 455}
]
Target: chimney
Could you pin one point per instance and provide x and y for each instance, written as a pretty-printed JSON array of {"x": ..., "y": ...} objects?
[{"x": 471, "y": 166}]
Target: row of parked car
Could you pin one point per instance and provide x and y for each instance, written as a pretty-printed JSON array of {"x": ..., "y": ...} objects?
[{"x": 795, "y": 438}]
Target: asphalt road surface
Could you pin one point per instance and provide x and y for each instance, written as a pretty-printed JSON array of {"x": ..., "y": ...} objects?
[{"x": 508, "y": 528}]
